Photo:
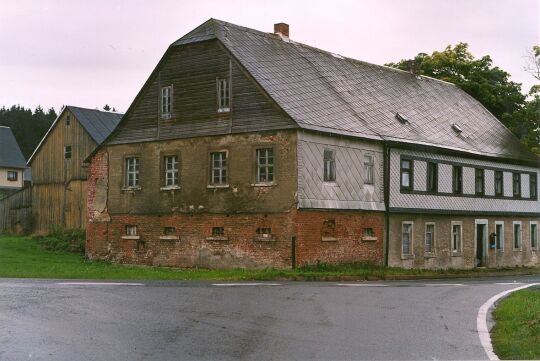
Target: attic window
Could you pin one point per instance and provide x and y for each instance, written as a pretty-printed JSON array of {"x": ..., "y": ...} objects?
[
  {"x": 68, "y": 120},
  {"x": 457, "y": 128},
  {"x": 401, "y": 118}
]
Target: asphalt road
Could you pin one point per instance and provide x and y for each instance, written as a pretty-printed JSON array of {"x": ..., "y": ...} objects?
[{"x": 71, "y": 320}]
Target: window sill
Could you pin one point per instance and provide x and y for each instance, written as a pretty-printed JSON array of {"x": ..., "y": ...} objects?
[
  {"x": 217, "y": 239},
  {"x": 517, "y": 250},
  {"x": 224, "y": 110},
  {"x": 264, "y": 239},
  {"x": 407, "y": 256},
  {"x": 457, "y": 254},
  {"x": 330, "y": 184},
  {"x": 430, "y": 255},
  {"x": 169, "y": 188},
  {"x": 329, "y": 239},
  {"x": 368, "y": 239},
  {"x": 500, "y": 251},
  {"x": 263, "y": 184},
  {"x": 131, "y": 189},
  {"x": 223, "y": 186},
  {"x": 167, "y": 116},
  {"x": 169, "y": 238},
  {"x": 131, "y": 237}
]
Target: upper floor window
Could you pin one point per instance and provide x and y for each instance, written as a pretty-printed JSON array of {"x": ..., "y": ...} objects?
[
  {"x": 533, "y": 186},
  {"x": 517, "y": 235},
  {"x": 329, "y": 165},
  {"x": 479, "y": 181},
  {"x": 171, "y": 170},
  {"x": 368, "y": 169},
  {"x": 132, "y": 172},
  {"x": 68, "y": 120},
  {"x": 499, "y": 235},
  {"x": 406, "y": 174},
  {"x": 218, "y": 171},
  {"x": 166, "y": 101},
  {"x": 499, "y": 183},
  {"x": 224, "y": 95},
  {"x": 67, "y": 152},
  {"x": 12, "y": 176},
  {"x": 432, "y": 177},
  {"x": 457, "y": 179},
  {"x": 265, "y": 165},
  {"x": 516, "y": 184}
]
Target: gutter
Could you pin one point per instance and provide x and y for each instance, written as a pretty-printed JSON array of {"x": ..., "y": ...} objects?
[{"x": 386, "y": 191}]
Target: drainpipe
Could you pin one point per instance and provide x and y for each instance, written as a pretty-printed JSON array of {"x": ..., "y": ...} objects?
[{"x": 386, "y": 192}]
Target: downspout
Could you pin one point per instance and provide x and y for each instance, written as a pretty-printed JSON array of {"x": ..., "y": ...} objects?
[{"x": 386, "y": 192}]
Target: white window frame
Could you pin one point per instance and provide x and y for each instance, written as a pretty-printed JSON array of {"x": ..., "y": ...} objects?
[
  {"x": 223, "y": 169},
  {"x": 514, "y": 224},
  {"x": 499, "y": 223},
  {"x": 265, "y": 165},
  {"x": 172, "y": 171},
  {"x": 166, "y": 101},
  {"x": 369, "y": 166},
  {"x": 224, "y": 95},
  {"x": 411, "y": 240},
  {"x": 432, "y": 237},
  {"x": 531, "y": 224},
  {"x": 132, "y": 170},
  {"x": 460, "y": 250}
]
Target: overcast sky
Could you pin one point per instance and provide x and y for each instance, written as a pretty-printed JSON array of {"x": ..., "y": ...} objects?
[{"x": 89, "y": 53}]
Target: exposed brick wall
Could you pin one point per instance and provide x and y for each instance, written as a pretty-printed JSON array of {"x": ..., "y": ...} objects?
[
  {"x": 347, "y": 246},
  {"x": 96, "y": 230}
]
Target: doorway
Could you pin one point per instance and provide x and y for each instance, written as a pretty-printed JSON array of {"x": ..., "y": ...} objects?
[{"x": 481, "y": 238}]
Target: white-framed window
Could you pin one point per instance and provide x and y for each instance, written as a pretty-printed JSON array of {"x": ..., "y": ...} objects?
[
  {"x": 499, "y": 235},
  {"x": 368, "y": 169},
  {"x": 67, "y": 152},
  {"x": 407, "y": 238},
  {"x": 223, "y": 95},
  {"x": 517, "y": 233},
  {"x": 218, "y": 168},
  {"x": 265, "y": 165},
  {"x": 132, "y": 172},
  {"x": 131, "y": 230},
  {"x": 429, "y": 245},
  {"x": 456, "y": 232},
  {"x": 171, "y": 170},
  {"x": 12, "y": 176},
  {"x": 166, "y": 101},
  {"x": 329, "y": 163},
  {"x": 533, "y": 235}
]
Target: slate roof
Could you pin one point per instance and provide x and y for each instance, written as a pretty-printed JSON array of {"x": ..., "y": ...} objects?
[
  {"x": 99, "y": 124},
  {"x": 328, "y": 92},
  {"x": 10, "y": 153}
]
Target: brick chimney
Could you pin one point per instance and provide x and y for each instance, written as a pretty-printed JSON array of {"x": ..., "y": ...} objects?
[{"x": 281, "y": 28}]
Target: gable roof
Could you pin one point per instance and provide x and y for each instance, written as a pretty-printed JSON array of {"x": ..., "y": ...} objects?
[
  {"x": 331, "y": 93},
  {"x": 97, "y": 123},
  {"x": 10, "y": 153}
]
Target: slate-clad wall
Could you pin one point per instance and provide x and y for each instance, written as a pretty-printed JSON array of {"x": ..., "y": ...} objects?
[
  {"x": 468, "y": 202},
  {"x": 349, "y": 190}
]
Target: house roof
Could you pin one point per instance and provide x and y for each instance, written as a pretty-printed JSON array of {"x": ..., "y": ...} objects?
[
  {"x": 10, "y": 153},
  {"x": 99, "y": 124},
  {"x": 328, "y": 92}
]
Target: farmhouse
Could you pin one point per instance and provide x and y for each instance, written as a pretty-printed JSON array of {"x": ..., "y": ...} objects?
[
  {"x": 59, "y": 176},
  {"x": 12, "y": 163},
  {"x": 248, "y": 149}
]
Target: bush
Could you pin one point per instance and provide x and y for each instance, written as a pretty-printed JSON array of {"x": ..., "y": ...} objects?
[{"x": 63, "y": 240}]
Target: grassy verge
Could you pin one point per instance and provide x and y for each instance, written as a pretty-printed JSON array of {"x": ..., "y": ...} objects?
[
  {"x": 22, "y": 257},
  {"x": 516, "y": 335}
]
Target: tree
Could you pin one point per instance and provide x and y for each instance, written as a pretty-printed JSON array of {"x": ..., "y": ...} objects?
[{"x": 488, "y": 84}]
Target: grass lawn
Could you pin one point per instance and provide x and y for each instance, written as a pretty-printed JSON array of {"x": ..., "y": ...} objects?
[
  {"x": 22, "y": 257},
  {"x": 516, "y": 334}
]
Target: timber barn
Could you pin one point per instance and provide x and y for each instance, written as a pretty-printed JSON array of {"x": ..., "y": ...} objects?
[
  {"x": 248, "y": 149},
  {"x": 59, "y": 175}
]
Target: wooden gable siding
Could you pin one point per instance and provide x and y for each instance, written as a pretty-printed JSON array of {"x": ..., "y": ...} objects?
[
  {"x": 48, "y": 164},
  {"x": 193, "y": 71}
]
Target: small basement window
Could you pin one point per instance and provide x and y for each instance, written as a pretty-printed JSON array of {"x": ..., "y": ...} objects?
[
  {"x": 218, "y": 231},
  {"x": 169, "y": 231},
  {"x": 131, "y": 230},
  {"x": 328, "y": 229},
  {"x": 368, "y": 232},
  {"x": 265, "y": 232}
]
